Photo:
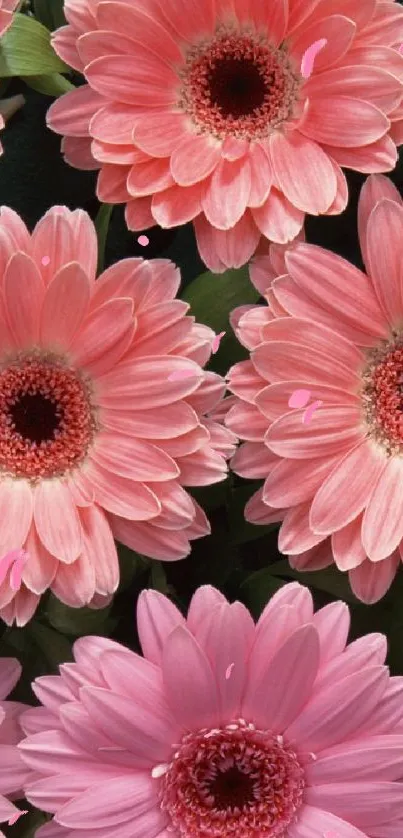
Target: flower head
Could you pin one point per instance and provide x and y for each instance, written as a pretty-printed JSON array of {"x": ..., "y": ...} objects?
[
  {"x": 201, "y": 112},
  {"x": 302, "y": 737},
  {"x": 96, "y": 439},
  {"x": 336, "y": 332},
  {"x": 14, "y": 772}
]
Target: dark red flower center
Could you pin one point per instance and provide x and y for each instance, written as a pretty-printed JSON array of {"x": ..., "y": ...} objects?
[{"x": 46, "y": 418}]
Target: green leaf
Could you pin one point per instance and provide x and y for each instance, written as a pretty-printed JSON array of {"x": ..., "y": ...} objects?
[
  {"x": 25, "y": 50},
  {"x": 258, "y": 588},
  {"x": 55, "y": 648},
  {"x": 158, "y": 578},
  {"x": 50, "y": 13},
  {"x": 213, "y": 296},
  {"x": 54, "y": 84},
  {"x": 77, "y": 621},
  {"x": 130, "y": 564},
  {"x": 102, "y": 225}
]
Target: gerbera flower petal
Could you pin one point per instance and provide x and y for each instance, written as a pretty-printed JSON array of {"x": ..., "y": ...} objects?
[
  {"x": 189, "y": 682},
  {"x": 57, "y": 521},
  {"x": 23, "y": 291},
  {"x": 65, "y": 305},
  {"x": 295, "y": 154},
  {"x": 383, "y": 234}
]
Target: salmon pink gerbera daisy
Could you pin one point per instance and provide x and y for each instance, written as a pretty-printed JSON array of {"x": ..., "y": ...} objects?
[
  {"x": 274, "y": 730},
  {"x": 199, "y": 111},
  {"x": 104, "y": 414},
  {"x": 330, "y": 329},
  {"x": 13, "y": 770}
]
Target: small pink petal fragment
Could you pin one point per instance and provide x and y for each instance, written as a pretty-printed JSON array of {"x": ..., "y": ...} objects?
[
  {"x": 159, "y": 771},
  {"x": 229, "y": 671},
  {"x": 401, "y": 49},
  {"x": 309, "y": 56},
  {"x": 143, "y": 240},
  {"x": 178, "y": 375},
  {"x": 310, "y": 411},
  {"x": 14, "y": 818},
  {"x": 299, "y": 398},
  {"x": 216, "y": 342},
  {"x": 45, "y": 260}
]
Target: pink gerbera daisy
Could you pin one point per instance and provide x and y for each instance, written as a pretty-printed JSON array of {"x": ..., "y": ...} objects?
[
  {"x": 200, "y": 111},
  {"x": 7, "y": 7},
  {"x": 103, "y": 414},
  {"x": 336, "y": 332},
  {"x": 13, "y": 770},
  {"x": 224, "y": 728}
]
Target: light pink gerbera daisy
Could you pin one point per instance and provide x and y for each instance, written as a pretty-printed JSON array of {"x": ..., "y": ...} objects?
[
  {"x": 274, "y": 730},
  {"x": 103, "y": 413},
  {"x": 13, "y": 770},
  {"x": 199, "y": 110},
  {"x": 330, "y": 329},
  {"x": 7, "y": 7}
]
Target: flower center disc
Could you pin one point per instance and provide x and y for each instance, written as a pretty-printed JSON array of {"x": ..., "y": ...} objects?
[
  {"x": 46, "y": 419},
  {"x": 383, "y": 398},
  {"x": 238, "y": 85},
  {"x": 235, "y": 781}
]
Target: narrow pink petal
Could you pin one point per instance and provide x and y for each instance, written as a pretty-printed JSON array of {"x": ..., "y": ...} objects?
[
  {"x": 347, "y": 546},
  {"x": 370, "y": 581},
  {"x": 284, "y": 687},
  {"x": 152, "y": 175},
  {"x": 117, "y": 494},
  {"x": 339, "y": 32},
  {"x": 288, "y": 485},
  {"x": 194, "y": 159},
  {"x": 23, "y": 292},
  {"x": 295, "y": 535},
  {"x": 142, "y": 78},
  {"x": 315, "y": 558},
  {"x": 227, "y": 638},
  {"x": 382, "y": 525},
  {"x": 332, "y": 624},
  {"x": 333, "y": 713},
  {"x": 131, "y": 725},
  {"x": 253, "y": 460},
  {"x": 64, "y": 42},
  {"x": 383, "y": 237},
  {"x": 380, "y": 156},
  {"x": 116, "y": 800},
  {"x": 53, "y": 237},
  {"x": 279, "y": 359},
  {"x": 340, "y": 287},
  {"x": 132, "y": 458},
  {"x": 335, "y": 430},
  {"x": 65, "y": 305},
  {"x": 378, "y": 758},
  {"x": 100, "y": 549},
  {"x": 227, "y": 194},
  {"x": 146, "y": 381},
  {"x": 293, "y": 158},
  {"x": 365, "y": 803},
  {"x": 149, "y": 540},
  {"x": 316, "y": 823},
  {"x": 139, "y": 25},
  {"x": 101, "y": 332},
  {"x": 294, "y": 594},
  {"x": 77, "y": 152},
  {"x": 186, "y": 17},
  {"x": 314, "y": 335},
  {"x": 138, "y": 214},
  {"x": 158, "y": 134},
  {"x": 347, "y": 489},
  {"x": 203, "y": 601},
  {"x": 57, "y": 521},
  {"x": 274, "y": 17},
  {"x": 189, "y": 681},
  {"x": 16, "y": 508},
  {"x": 71, "y": 114},
  {"x": 171, "y": 421},
  {"x": 278, "y": 219},
  {"x": 176, "y": 205},
  {"x": 375, "y": 188},
  {"x": 344, "y": 121},
  {"x": 39, "y": 571}
]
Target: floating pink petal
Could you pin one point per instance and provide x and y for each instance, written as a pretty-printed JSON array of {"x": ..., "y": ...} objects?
[
  {"x": 310, "y": 411},
  {"x": 16, "y": 817},
  {"x": 216, "y": 342},
  {"x": 309, "y": 56},
  {"x": 229, "y": 671},
  {"x": 299, "y": 398},
  {"x": 143, "y": 240},
  {"x": 45, "y": 260}
]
